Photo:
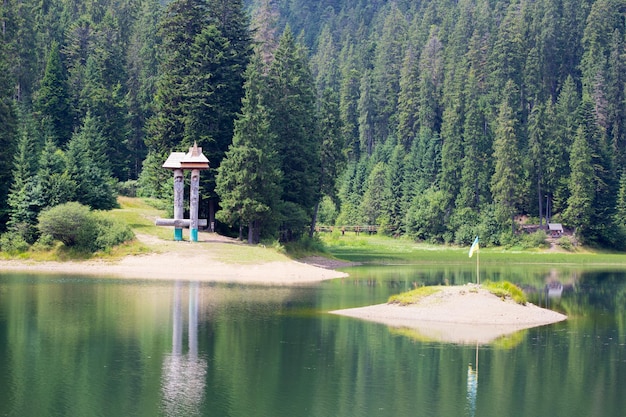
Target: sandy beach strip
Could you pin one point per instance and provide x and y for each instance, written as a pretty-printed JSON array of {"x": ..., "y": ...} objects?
[{"x": 181, "y": 266}]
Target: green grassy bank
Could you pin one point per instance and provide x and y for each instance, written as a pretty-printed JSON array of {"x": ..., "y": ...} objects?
[
  {"x": 386, "y": 250},
  {"x": 140, "y": 214}
]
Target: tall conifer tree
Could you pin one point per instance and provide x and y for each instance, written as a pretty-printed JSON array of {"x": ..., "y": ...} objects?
[
  {"x": 8, "y": 132},
  {"x": 506, "y": 180},
  {"x": 52, "y": 102},
  {"x": 249, "y": 178},
  {"x": 293, "y": 122}
]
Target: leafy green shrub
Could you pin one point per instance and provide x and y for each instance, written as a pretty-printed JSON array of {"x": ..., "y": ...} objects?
[
  {"x": 566, "y": 243},
  {"x": 44, "y": 243},
  {"x": 13, "y": 243},
  {"x": 76, "y": 226},
  {"x": 534, "y": 240},
  {"x": 508, "y": 239},
  {"x": 111, "y": 232},
  {"x": 305, "y": 246},
  {"x": 127, "y": 188},
  {"x": 71, "y": 223},
  {"x": 327, "y": 211},
  {"x": 489, "y": 229}
]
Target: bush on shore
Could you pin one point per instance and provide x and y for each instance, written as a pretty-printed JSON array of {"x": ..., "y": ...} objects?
[{"x": 76, "y": 226}]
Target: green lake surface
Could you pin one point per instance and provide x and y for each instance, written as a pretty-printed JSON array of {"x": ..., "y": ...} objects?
[{"x": 79, "y": 346}]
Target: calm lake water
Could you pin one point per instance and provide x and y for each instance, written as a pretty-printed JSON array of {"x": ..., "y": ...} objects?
[{"x": 75, "y": 346}]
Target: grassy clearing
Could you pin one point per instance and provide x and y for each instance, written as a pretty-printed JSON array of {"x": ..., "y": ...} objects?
[
  {"x": 140, "y": 215},
  {"x": 386, "y": 250},
  {"x": 413, "y": 296}
]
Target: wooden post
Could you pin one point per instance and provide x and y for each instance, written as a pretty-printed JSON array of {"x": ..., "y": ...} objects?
[
  {"x": 193, "y": 205},
  {"x": 179, "y": 197},
  {"x": 178, "y": 162}
]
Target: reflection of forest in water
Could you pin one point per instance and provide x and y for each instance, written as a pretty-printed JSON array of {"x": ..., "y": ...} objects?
[{"x": 107, "y": 347}]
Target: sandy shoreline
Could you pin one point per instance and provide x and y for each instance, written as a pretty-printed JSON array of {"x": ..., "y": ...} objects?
[
  {"x": 460, "y": 314},
  {"x": 184, "y": 261},
  {"x": 176, "y": 266}
]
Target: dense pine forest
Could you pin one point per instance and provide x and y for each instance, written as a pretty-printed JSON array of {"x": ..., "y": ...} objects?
[{"x": 436, "y": 119}]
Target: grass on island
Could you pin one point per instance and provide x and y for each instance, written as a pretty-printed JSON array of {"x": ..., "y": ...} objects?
[
  {"x": 506, "y": 289},
  {"x": 413, "y": 296},
  {"x": 502, "y": 289}
]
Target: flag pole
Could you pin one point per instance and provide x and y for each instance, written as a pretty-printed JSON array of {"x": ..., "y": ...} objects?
[{"x": 478, "y": 267}]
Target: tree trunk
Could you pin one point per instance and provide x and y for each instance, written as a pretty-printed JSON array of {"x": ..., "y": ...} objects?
[
  {"x": 540, "y": 201},
  {"x": 212, "y": 215},
  {"x": 314, "y": 220},
  {"x": 251, "y": 233}
]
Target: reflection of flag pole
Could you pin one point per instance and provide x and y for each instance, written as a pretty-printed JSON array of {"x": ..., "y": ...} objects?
[
  {"x": 472, "y": 386},
  {"x": 476, "y": 248},
  {"x": 477, "y": 359}
]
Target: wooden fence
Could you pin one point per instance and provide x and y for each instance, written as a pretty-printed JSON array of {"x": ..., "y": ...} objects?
[{"x": 368, "y": 228}]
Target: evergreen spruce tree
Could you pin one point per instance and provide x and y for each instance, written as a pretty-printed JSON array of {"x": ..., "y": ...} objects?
[
  {"x": 537, "y": 147},
  {"x": 107, "y": 105},
  {"x": 581, "y": 186},
  {"x": 452, "y": 137},
  {"x": 604, "y": 177},
  {"x": 142, "y": 69},
  {"x": 393, "y": 208},
  {"x": 431, "y": 83},
  {"x": 293, "y": 121},
  {"x": 52, "y": 102},
  {"x": 324, "y": 62},
  {"x": 506, "y": 180},
  {"x": 408, "y": 105},
  {"x": 24, "y": 195},
  {"x": 620, "y": 208},
  {"x": 88, "y": 167},
  {"x": 390, "y": 50},
  {"x": 376, "y": 194},
  {"x": 367, "y": 137},
  {"x": 8, "y": 132},
  {"x": 249, "y": 178},
  {"x": 20, "y": 46},
  {"x": 201, "y": 85},
  {"x": 565, "y": 127},
  {"x": 332, "y": 152},
  {"x": 348, "y": 105},
  {"x": 52, "y": 177},
  {"x": 474, "y": 190},
  {"x": 181, "y": 22}
]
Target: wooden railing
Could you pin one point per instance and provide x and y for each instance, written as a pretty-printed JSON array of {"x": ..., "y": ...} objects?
[{"x": 368, "y": 228}]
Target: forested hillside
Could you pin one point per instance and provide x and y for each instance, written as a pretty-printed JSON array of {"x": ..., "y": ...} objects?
[{"x": 436, "y": 119}]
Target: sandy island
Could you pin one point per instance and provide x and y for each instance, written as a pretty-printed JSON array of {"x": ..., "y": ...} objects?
[{"x": 460, "y": 314}]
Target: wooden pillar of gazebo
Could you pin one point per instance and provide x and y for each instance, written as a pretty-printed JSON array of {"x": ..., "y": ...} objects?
[{"x": 178, "y": 162}]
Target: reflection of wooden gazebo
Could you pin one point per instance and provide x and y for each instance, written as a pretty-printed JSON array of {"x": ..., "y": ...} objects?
[
  {"x": 556, "y": 229},
  {"x": 178, "y": 162}
]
